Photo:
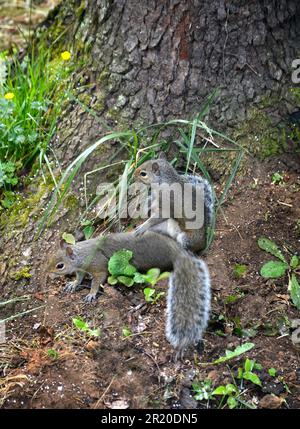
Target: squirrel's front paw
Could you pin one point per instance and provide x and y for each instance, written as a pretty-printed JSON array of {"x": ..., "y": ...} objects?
[
  {"x": 89, "y": 298},
  {"x": 70, "y": 287}
]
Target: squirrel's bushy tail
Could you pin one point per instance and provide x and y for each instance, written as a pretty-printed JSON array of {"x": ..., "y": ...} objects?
[{"x": 188, "y": 302}]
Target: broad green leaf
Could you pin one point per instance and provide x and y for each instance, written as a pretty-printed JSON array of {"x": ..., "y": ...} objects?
[
  {"x": 294, "y": 261},
  {"x": 149, "y": 293},
  {"x": 153, "y": 273},
  {"x": 80, "y": 324},
  {"x": 272, "y": 372},
  {"x": 294, "y": 289},
  {"x": 221, "y": 390},
  {"x": 88, "y": 231},
  {"x": 249, "y": 364},
  {"x": 252, "y": 377},
  {"x": 230, "y": 388},
  {"x": 273, "y": 269},
  {"x": 69, "y": 238},
  {"x": 271, "y": 247},
  {"x": 139, "y": 278},
  {"x": 119, "y": 265},
  {"x": 232, "y": 402},
  {"x": 127, "y": 281},
  {"x": 230, "y": 354},
  {"x": 112, "y": 280},
  {"x": 164, "y": 275}
]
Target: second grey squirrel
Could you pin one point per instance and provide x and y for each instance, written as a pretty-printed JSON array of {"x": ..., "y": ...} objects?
[
  {"x": 188, "y": 299},
  {"x": 160, "y": 171}
]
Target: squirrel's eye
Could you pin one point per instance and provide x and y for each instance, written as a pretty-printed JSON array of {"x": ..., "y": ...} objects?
[
  {"x": 143, "y": 174},
  {"x": 60, "y": 266}
]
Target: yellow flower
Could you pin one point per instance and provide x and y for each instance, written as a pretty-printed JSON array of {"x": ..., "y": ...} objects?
[
  {"x": 66, "y": 55},
  {"x": 9, "y": 95}
]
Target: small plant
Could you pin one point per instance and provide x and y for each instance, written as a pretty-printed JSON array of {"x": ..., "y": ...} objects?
[
  {"x": 239, "y": 270},
  {"x": 126, "y": 332},
  {"x": 246, "y": 372},
  {"x": 280, "y": 267},
  {"x": 277, "y": 179},
  {"x": 151, "y": 296},
  {"x": 203, "y": 390},
  {"x": 84, "y": 327},
  {"x": 123, "y": 272},
  {"x": 88, "y": 229},
  {"x": 229, "y": 391},
  {"x": 230, "y": 354},
  {"x": 68, "y": 238},
  {"x": 52, "y": 354}
]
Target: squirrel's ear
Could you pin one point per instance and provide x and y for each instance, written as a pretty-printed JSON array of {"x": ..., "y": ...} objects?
[
  {"x": 162, "y": 155},
  {"x": 63, "y": 244},
  {"x": 155, "y": 168},
  {"x": 69, "y": 252}
]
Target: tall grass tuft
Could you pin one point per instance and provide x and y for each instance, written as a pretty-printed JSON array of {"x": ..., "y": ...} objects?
[
  {"x": 31, "y": 99},
  {"x": 194, "y": 138}
]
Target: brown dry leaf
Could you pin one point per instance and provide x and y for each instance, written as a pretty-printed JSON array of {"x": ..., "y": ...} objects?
[
  {"x": 91, "y": 345},
  {"x": 271, "y": 402},
  {"x": 285, "y": 298}
]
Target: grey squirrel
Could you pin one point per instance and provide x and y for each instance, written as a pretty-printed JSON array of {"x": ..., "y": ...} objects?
[
  {"x": 161, "y": 172},
  {"x": 188, "y": 299}
]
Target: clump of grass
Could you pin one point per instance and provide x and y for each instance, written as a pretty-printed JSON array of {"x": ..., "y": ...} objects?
[
  {"x": 31, "y": 99},
  {"x": 194, "y": 139}
]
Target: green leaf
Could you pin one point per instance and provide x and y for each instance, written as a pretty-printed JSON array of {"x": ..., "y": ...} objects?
[
  {"x": 164, "y": 275},
  {"x": 221, "y": 390},
  {"x": 126, "y": 332},
  {"x": 239, "y": 270},
  {"x": 149, "y": 294},
  {"x": 94, "y": 332},
  {"x": 118, "y": 264},
  {"x": 294, "y": 289},
  {"x": 232, "y": 402},
  {"x": 271, "y": 247},
  {"x": 249, "y": 364},
  {"x": 272, "y": 372},
  {"x": 127, "y": 281},
  {"x": 112, "y": 280},
  {"x": 80, "y": 324},
  {"x": 153, "y": 273},
  {"x": 294, "y": 261},
  {"x": 273, "y": 269},
  {"x": 139, "y": 278},
  {"x": 231, "y": 388},
  {"x": 69, "y": 238},
  {"x": 88, "y": 231},
  {"x": 230, "y": 354},
  {"x": 252, "y": 377}
]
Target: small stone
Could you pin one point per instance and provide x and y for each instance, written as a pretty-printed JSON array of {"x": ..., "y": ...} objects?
[
  {"x": 271, "y": 402},
  {"x": 91, "y": 345}
]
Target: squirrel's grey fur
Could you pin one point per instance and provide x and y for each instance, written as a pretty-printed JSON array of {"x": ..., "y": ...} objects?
[
  {"x": 160, "y": 171},
  {"x": 188, "y": 302}
]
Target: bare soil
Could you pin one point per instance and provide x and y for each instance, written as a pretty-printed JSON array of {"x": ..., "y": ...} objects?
[{"x": 52, "y": 364}]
